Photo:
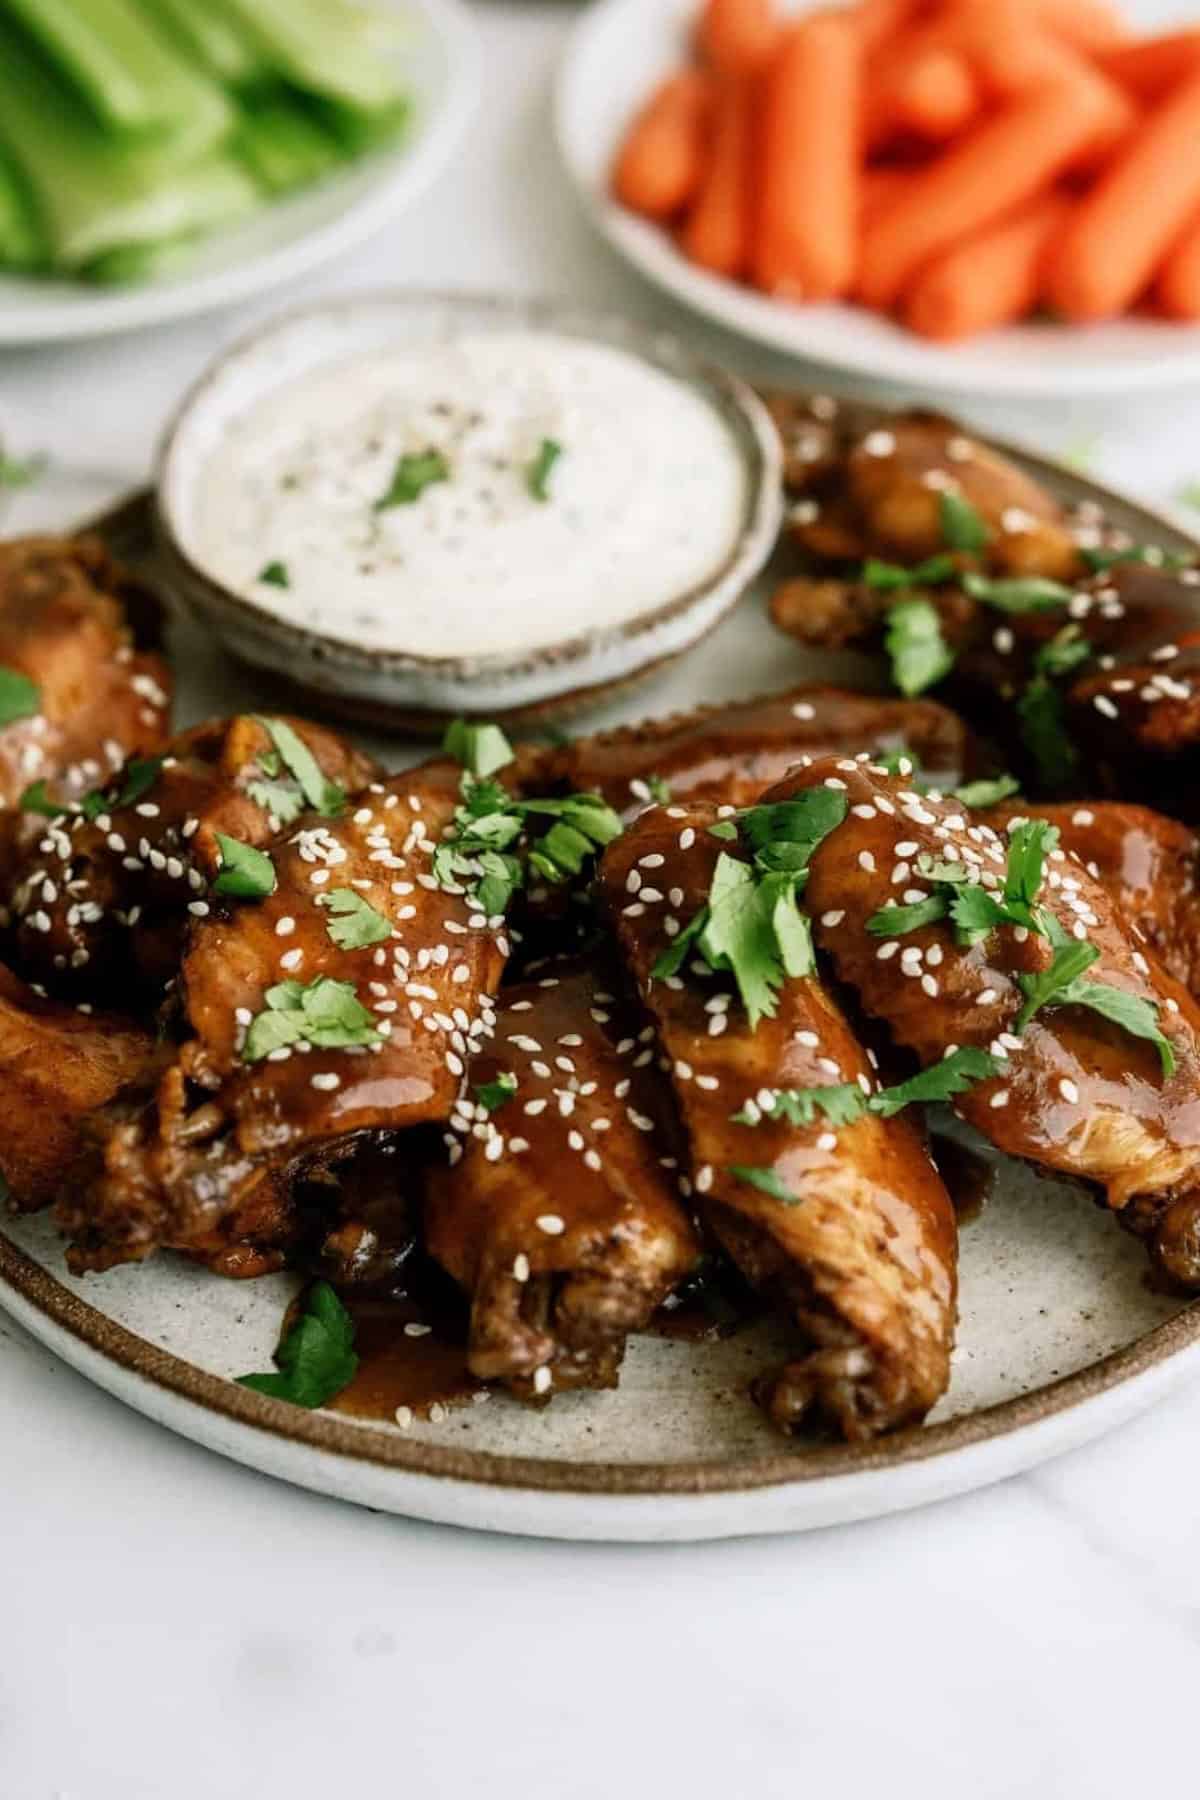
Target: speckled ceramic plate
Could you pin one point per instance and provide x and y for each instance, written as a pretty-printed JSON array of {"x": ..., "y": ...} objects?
[{"x": 1060, "y": 1335}]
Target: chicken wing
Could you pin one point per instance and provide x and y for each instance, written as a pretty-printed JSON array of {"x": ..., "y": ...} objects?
[
  {"x": 340, "y": 1006},
  {"x": 559, "y": 1214},
  {"x": 850, "y": 1227},
  {"x": 1074, "y": 1090},
  {"x": 99, "y": 902},
  {"x": 58, "y": 1064}
]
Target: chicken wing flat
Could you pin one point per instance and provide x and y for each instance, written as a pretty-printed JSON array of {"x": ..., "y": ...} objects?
[
  {"x": 730, "y": 753},
  {"x": 57, "y": 1066},
  {"x": 80, "y": 697},
  {"x": 100, "y": 902},
  {"x": 341, "y": 1005},
  {"x": 848, "y": 1226},
  {"x": 560, "y": 1215},
  {"x": 963, "y": 940}
]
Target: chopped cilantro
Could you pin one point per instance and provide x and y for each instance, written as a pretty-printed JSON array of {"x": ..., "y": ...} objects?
[
  {"x": 913, "y": 639},
  {"x": 974, "y": 909},
  {"x": 482, "y": 749},
  {"x": 766, "y": 1181},
  {"x": 411, "y": 476},
  {"x": 19, "y": 697},
  {"x": 275, "y": 574},
  {"x": 1062, "y": 984},
  {"x": 537, "y": 475},
  {"x": 492, "y": 1095},
  {"x": 477, "y": 857},
  {"x": 885, "y": 577},
  {"x": 942, "y": 1081},
  {"x": 325, "y": 1013},
  {"x": 1040, "y": 709},
  {"x": 282, "y": 802},
  {"x": 316, "y": 1358},
  {"x": 895, "y": 921},
  {"x": 355, "y": 923},
  {"x": 137, "y": 778},
  {"x": 739, "y": 937},
  {"x": 897, "y": 762},
  {"x": 1151, "y": 554},
  {"x": 36, "y": 799},
  {"x": 660, "y": 790},
  {"x": 20, "y": 471},
  {"x": 323, "y": 795},
  {"x": 979, "y": 794},
  {"x": 246, "y": 873},
  {"x": 1069, "y": 961},
  {"x": 963, "y": 527},
  {"x": 724, "y": 829},
  {"x": 841, "y": 1104},
  {"x": 1018, "y": 594}
]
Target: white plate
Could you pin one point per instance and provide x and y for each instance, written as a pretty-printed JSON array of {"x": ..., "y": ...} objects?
[
  {"x": 617, "y": 53},
  {"x": 441, "y": 70}
]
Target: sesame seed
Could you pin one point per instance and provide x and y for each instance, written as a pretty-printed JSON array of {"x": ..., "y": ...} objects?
[
  {"x": 291, "y": 959},
  {"x": 832, "y": 918},
  {"x": 284, "y": 927},
  {"x": 326, "y": 1081},
  {"x": 551, "y": 1224},
  {"x": 999, "y": 1099},
  {"x": 520, "y": 1268},
  {"x": 1104, "y": 705},
  {"x": 1068, "y": 1090},
  {"x": 827, "y": 1140},
  {"x": 866, "y": 861},
  {"x": 543, "y": 1380},
  {"x": 414, "y": 1329}
]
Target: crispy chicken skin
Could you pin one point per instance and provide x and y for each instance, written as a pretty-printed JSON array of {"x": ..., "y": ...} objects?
[
  {"x": 57, "y": 1066},
  {"x": 1078, "y": 1094},
  {"x": 65, "y": 625},
  {"x": 221, "y": 1133},
  {"x": 730, "y": 753},
  {"x": 99, "y": 907},
  {"x": 559, "y": 1214},
  {"x": 863, "y": 1255}
]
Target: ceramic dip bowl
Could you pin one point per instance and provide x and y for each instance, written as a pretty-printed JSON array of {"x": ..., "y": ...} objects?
[{"x": 578, "y": 502}]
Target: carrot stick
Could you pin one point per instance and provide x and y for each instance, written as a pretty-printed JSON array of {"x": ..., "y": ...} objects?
[
  {"x": 878, "y": 189},
  {"x": 1126, "y": 225},
  {"x": 1002, "y": 163},
  {"x": 989, "y": 279},
  {"x": 661, "y": 163},
  {"x": 1150, "y": 69},
  {"x": 1177, "y": 289},
  {"x": 717, "y": 232},
  {"x": 737, "y": 36},
  {"x": 931, "y": 94},
  {"x": 878, "y": 20},
  {"x": 1084, "y": 24},
  {"x": 806, "y": 239}
]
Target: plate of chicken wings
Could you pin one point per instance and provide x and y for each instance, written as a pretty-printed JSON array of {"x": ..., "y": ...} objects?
[{"x": 782, "y": 1111}]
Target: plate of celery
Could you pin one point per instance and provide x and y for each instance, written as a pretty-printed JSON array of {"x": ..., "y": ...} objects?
[{"x": 162, "y": 157}]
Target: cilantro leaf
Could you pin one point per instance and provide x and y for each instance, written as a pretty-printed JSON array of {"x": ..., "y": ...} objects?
[
  {"x": 725, "y": 829},
  {"x": 492, "y": 1095},
  {"x": 282, "y": 802},
  {"x": 766, "y": 1181},
  {"x": 674, "y": 956},
  {"x": 963, "y": 527},
  {"x": 36, "y": 799},
  {"x": 1018, "y": 594},
  {"x": 898, "y": 762},
  {"x": 355, "y": 923},
  {"x": 537, "y": 475},
  {"x": 20, "y": 471},
  {"x": 953, "y": 1075},
  {"x": 1069, "y": 962},
  {"x": 1063, "y": 652},
  {"x": 841, "y": 1104},
  {"x": 1152, "y": 554},
  {"x": 246, "y": 873},
  {"x": 895, "y": 921},
  {"x": 274, "y": 574},
  {"x": 19, "y": 697},
  {"x": 316, "y": 1359},
  {"x": 1028, "y": 847},
  {"x": 884, "y": 577},
  {"x": 660, "y": 790},
  {"x": 739, "y": 937},
  {"x": 411, "y": 476},
  {"x": 325, "y": 1013},
  {"x": 323, "y": 795},
  {"x": 1138, "y": 1017},
  {"x": 482, "y": 749},
  {"x": 979, "y": 794},
  {"x": 1042, "y": 719},
  {"x": 975, "y": 912},
  {"x": 804, "y": 822},
  {"x": 793, "y": 931},
  {"x": 137, "y": 778},
  {"x": 913, "y": 639}
]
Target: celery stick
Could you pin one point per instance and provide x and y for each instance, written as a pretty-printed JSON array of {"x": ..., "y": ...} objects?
[
  {"x": 325, "y": 46},
  {"x": 127, "y": 73},
  {"x": 91, "y": 194},
  {"x": 21, "y": 245},
  {"x": 205, "y": 32},
  {"x": 281, "y": 144}
]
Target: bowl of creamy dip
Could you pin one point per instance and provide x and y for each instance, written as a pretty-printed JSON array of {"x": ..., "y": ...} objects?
[{"x": 416, "y": 505}]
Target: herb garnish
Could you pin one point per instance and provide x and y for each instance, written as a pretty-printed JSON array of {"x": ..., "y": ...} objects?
[
  {"x": 886, "y": 576},
  {"x": 975, "y": 909},
  {"x": 283, "y": 803},
  {"x": 316, "y": 1358},
  {"x": 1062, "y": 984},
  {"x": 323, "y": 796},
  {"x": 481, "y": 749},
  {"x": 492, "y": 1095},
  {"x": 913, "y": 639},
  {"x": 845, "y": 1103},
  {"x": 274, "y": 574},
  {"x": 841, "y": 1104},
  {"x": 246, "y": 873},
  {"x": 725, "y": 830},
  {"x": 1018, "y": 594},
  {"x": 1151, "y": 554},
  {"x": 355, "y": 923},
  {"x": 767, "y": 1181},
  {"x": 1040, "y": 710},
  {"x": 980, "y": 794},
  {"x": 19, "y": 697},
  {"x": 411, "y": 476},
  {"x": 36, "y": 799},
  {"x": 537, "y": 475},
  {"x": 963, "y": 527},
  {"x": 325, "y": 1013},
  {"x": 137, "y": 778},
  {"x": 20, "y": 471},
  {"x": 660, "y": 790}
]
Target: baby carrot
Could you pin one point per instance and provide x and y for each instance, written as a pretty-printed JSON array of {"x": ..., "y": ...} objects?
[
  {"x": 1150, "y": 69},
  {"x": 737, "y": 36},
  {"x": 1005, "y": 161},
  {"x": 878, "y": 188},
  {"x": 1126, "y": 225},
  {"x": 806, "y": 235},
  {"x": 661, "y": 163},
  {"x": 989, "y": 279},
  {"x": 717, "y": 231},
  {"x": 1177, "y": 289},
  {"x": 878, "y": 20},
  {"x": 1085, "y": 24},
  {"x": 930, "y": 94}
]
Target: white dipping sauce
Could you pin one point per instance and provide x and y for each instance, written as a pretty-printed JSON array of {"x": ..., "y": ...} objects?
[{"x": 645, "y": 500}]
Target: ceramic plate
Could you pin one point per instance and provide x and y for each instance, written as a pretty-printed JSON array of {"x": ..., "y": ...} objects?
[
  {"x": 1060, "y": 1336},
  {"x": 621, "y": 48},
  {"x": 441, "y": 71}
]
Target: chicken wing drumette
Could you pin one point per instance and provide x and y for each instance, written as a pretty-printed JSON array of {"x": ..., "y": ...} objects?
[
  {"x": 99, "y": 903},
  {"x": 847, "y": 1225},
  {"x": 1104, "y": 1086},
  {"x": 341, "y": 1005},
  {"x": 560, "y": 1214}
]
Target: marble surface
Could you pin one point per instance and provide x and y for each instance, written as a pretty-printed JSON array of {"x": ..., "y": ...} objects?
[{"x": 178, "y": 1627}]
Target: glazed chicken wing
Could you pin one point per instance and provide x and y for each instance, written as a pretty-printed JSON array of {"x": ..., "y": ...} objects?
[
  {"x": 1075, "y": 1089},
  {"x": 560, "y": 1214},
  {"x": 80, "y": 696},
  {"x": 341, "y": 1006},
  {"x": 57, "y": 1066},
  {"x": 100, "y": 902},
  {"x": 849, "y": 1227}
]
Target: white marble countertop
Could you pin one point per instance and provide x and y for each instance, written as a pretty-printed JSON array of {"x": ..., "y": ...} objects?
[{"x": 177, "y": 1628}]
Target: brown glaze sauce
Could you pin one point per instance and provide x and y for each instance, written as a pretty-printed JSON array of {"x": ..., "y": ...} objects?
[{"x": 970, "y": 1177}]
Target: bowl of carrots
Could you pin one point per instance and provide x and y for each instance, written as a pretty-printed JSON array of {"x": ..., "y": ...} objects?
[{"x": 980, "y": 194}]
